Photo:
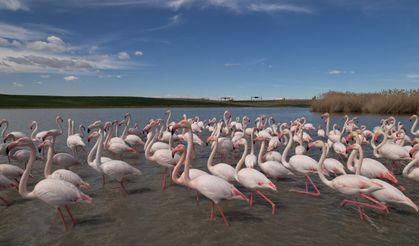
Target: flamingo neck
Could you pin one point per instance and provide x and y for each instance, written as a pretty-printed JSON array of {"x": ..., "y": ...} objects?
[
  {"x": 168, "y": 118},
  {"x": 252, "y": 145},
  {"x": 99, "y": 150},
  {"x": 377, "y": 148},
  {"x": 287, "y": 149},
  {"x": 406, "y": 169},
  {"x": 325, "y": 150},
  {"x": 175, "y": 172},
  {"x": 124, "y": 132},
  {"x": 81, "y": 133},
  {"x": 69, "y": 127},
  {"x": 261, "y": 151},
  {"x": 188, "y": 155},
  {"x": 3, "y": 133},
  {"x": 211, "y": 157},
  {"x": 109, "y": 135},
  {"x": 359, "y": 161},
  {"x": 60, "y": 128},
  {"x": 327, "y": 125},
  {"x": 35, "y": 130},
  {"x": 242, "y": 159},
  {"x": 24, "y": 179},
  {"x": 350, "y": 161},
  {"x": 72, "y": 127},
  {"x": 412, "y": 130},
  {"x": 48, "y": 164},
  {"x": 153, "y": 138}
]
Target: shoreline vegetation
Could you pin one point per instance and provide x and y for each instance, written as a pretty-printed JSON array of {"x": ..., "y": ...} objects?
[
  {"x": 385, "y": 102},
  {"x": 30, "y": 101}
]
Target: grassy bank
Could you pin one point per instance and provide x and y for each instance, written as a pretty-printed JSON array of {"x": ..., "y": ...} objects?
[
  {"x": 385, "y": 102},
  {"x": 26, "y": 101}
]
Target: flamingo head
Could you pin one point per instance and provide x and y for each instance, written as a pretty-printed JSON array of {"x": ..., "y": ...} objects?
[
  {"x": 122, "y": 122},
  {"x": 413, "y": 117},
  {"x": 211, "y": 139},
  {"x": 33, "y": 124},
  {"x": 59, "y": 119},
  {"x": 43, "y": 144},
  {"x": 240, "y": 142},
  {"x": 150, "y": 125},
  {"x": 414, "y": 150},
  {"x": 268, "y": 185},
  {"x": 181, "y": 124},
  {"x": 95, "y": 125},
  {"x": 21, "y": 142},
  {"x": 127, "y": 115},
  {"x": 178, "y": 148},
  {"x": 316, "y": 144},
  {"x": 325, "y": 116},
  {"x": 92, "y": 135}
]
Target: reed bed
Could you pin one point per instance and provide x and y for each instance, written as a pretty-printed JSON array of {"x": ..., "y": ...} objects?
[{"x": 384, "y": 102}]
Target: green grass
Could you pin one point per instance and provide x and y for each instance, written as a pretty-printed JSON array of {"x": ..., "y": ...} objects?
[{"x": 28, "y": 101}]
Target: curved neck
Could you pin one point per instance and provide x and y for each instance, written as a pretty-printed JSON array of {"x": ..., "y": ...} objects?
[
  {"x": 359, "y": 162},
  {"x": 325, "y": 150},
  {"x": 350, "y": 161},
  {"x": 377, "y": 149},
  {"x": 59, "y": 126},
  {"x": 211, "y": 157},
  {"x": 327, "y": 125},
  {"x": 48, "y": 164},
  {"x": 168, "y": 118},
  {"x": 72, "y": 127},
  {"x": 24, "y": 179},
  {"x": 109, "y": 135},
  {"x": 287, "y": 149},
  {"x": 175, "y": 172},
  {"x": 261, "y": 151},
  {"x": 35, "y": 130},
  {"x": 3, "y": 133},
  {"x": 406, "y": 169},
  {"x": 81, "y": 132},
  {"x": 242, "y": 159},
  {"x": 99, "y": 150},
  {"x": 92, "y": 152},
  {"x": 412, "y": 130},
  {"x": 153, "y": 138}
]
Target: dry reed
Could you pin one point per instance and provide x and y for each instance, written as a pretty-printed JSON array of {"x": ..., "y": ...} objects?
[{"x": 385, "y": 102}]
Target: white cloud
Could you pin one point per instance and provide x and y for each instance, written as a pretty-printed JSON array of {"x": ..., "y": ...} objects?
[
  {"x": 118, "y": 76},
  {"x": 138, "y": 53},
  {"x": 19, "y": 33},
  {"x": 277, "y": 7},
  {"x": 340, "y": 72},
  {"x": 38, "y": 82},
  {"x": 412, "y": 76},
  {"x": 335, "y": 72},
  {"x": 16, "y": 84},
  {"x": 6, "y": 43},
  {"x": 44, "y": 76},
  {"x": 53, "y": 43},
  {"x": 231, "y": 64},
  {"x": 13, "y": 5},
  {"x": 123, "y": 55},
  {"x": 71, "y": 78}
]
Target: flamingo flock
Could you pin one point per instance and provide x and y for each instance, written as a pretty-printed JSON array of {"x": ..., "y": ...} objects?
[{"x": 286, "y": 151}]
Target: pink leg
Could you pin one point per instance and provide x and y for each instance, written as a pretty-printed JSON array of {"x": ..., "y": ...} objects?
[
  {"x": 222, "y": 215},
  {"x": 6, "y": 203},
  {"x": 164, "y": 178},
  {"x": 124, "y": 190},
  {"x": 60, "y": 213},
  {"x": 103, "y": 180},
  {"x": 268, "y": 200},
  {"x": 380, "y": 206},
  {"x": 71, "y": 216},
  {"x": 197, "y": 198},
  {"x": 317, "y": 193},
  {"x": 212, "y": 218},
  {"x": 251, "y": 199}
]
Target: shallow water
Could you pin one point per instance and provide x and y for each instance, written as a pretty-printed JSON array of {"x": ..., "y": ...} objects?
[{"x": 150, "y": 216}]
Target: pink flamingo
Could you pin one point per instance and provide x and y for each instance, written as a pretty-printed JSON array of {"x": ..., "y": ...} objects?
[
  {"x": 222, "y": 170},
  {"x": 51, "y": 191},
  {"x": 116, "y": 169},
  {"x": 6, "y": 183},
  {"x": 212, "y": 187},
  {"x": 251, "y": 178},
  {"x": 61, "y": 174},
  {"x": 349, "y": 184},
  {"x": 14, "y": 135},
  {"x": 411, "y": 170}
]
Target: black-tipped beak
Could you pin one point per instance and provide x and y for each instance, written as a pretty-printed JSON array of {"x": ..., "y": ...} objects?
[
  {"x": 39, "y": 149},
  {"x": 307, "y": 148},
  {"x": 4, "y": 140},
  {"x": 88, "y": 130},
  {"x": 173, "y": 131},
  {"x": 7, "y": 151},
  {"x": 173, "y": 156}
]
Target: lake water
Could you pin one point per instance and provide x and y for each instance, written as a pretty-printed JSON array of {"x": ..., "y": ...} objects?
[{"x": 150, "y": 216}]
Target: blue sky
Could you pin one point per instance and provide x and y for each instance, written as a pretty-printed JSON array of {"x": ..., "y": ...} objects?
[{"x": 211, "y": 48}]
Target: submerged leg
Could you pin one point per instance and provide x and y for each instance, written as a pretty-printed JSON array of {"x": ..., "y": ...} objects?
[
  {"x": 164, "y": 178},
  {"x": 71, "y": 216},
  {"x": 212, "y": 217},
  {"x": 103, "y": 180},
  {"x": 251, "y": 199},
  {"x": 197, "y": 198},
  {"x": 60, "y": 213},
  {"x": 124, "y": 190},
  {"x": 7, "y": 203},
  {"x": 222, "y": 215},
  {"x": 316, "y": 193},
  {"x": 268, "y": 200}
]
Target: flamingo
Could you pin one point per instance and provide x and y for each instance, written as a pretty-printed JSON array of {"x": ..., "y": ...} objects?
[
  {"x": 222, "y": 170},
  {"x": 37, "y": 136},
  {"x": 320, "y": 132},
  {"x": 301, "y": 165},
  {"x": 412, "y": 130},
  {"x": 411, "y": 170},
  {"x": 11, "y": 171},
  {"x": 61, "y": 174},
  {"x": 51, "y": 191},
  {"x": 193, "y": 173},
  {"x": 14, "y": 135},
  {"x": 273, "y": 169},
  {"x": 130, "y": 139},
  {"x": 75, "y": 140},
  {"x": 116, "y": 169},
  {"x": 54, "y": 133},
  {"x": 212, "y": 187},
  {"x": 251, "y": 178},
  {"x": 349, "y": 184},
  {"x": 163, "y": 157}
]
